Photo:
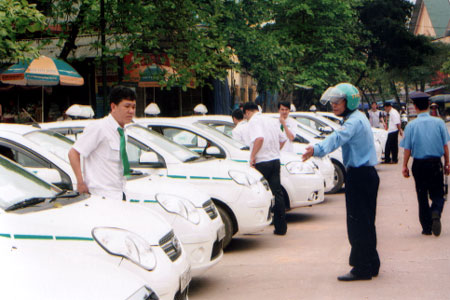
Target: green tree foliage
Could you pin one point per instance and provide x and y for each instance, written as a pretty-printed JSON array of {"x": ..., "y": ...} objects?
[
  {"x": 390, "y": 42},
  {"x": 17, "y": 19},
  {"x": 182, "y": 30}
]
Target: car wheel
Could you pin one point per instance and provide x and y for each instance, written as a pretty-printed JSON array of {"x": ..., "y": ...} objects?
[
  {"x": 338, "y": 180},
  {"x": 226, "y": 219}
]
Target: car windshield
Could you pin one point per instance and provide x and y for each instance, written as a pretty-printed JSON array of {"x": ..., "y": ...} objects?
[
  {"x": 220, "y": 135},
  {"x": 17, "y": 185},
  {"x": 52, "y": 142},
  {"x": 180, "y": 152}
]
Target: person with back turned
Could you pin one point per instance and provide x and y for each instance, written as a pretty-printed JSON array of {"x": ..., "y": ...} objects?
[
  {"x": 266, "y": 139},
  {"x": 426, "y": 140},
  {"x": 362, "y": 181}
]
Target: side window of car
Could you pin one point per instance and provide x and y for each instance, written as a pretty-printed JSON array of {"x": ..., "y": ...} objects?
[
  {"x": 134, "y": 152},
  {"x": 304, "y": 121},
  {"x": 138, "y": 154},
  {"x": 21, "y": 157},
  {"x": 185, "y": 138}
]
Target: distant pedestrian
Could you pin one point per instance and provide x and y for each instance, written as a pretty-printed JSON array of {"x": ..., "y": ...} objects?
[
  {"x": 266, "y": 139},
  {"x": 426, "y": 141},
  {"x": 393, "y": 128},
  {"x": 287, "y": 125},
  {"x": 103, "y": 148},
  {"x": 240, "y": 132},
  {"x": 362, "y": 181},
  {"x": 434, "y": 110},
  {"x": 376, "y": 117}
]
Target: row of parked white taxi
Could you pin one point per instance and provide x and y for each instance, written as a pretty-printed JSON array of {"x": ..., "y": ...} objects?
[{"x": 191, "y": 191}]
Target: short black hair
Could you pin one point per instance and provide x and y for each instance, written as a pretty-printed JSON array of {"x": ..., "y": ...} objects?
[
  {"x": 250, "y": 106},
  {"x": 421, "y": 103},
  {"x": 387, "y": 104},
  {"x": 120, "y": 92},
  {"x": 285, "y": 104},
  {"x": 237, "y": 114}
]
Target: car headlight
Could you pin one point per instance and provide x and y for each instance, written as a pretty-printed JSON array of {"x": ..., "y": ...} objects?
[
  {"x": 298, "y": 167},
  {"x": 180, "y": 206},
  {"x": 242, "y": 178},
  {"x": 124, "y": 243}
]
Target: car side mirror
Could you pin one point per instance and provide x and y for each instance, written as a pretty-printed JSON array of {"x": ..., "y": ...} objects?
[
  {"x": 148, "y": 158},
  {"x": 326, "y": 129},
  {"x": 213, "y": 151}
]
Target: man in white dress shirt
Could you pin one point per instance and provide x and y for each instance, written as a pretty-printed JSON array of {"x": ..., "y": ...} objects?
[
  {"x": 286, "y": 125},
  {"x": 103, "y": 148},
  {"x": 394, "y": 128},
  {"x": 266, "y": 139}
]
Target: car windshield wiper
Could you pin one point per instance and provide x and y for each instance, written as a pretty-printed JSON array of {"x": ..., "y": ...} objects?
[{"x": 28, "y": 202}]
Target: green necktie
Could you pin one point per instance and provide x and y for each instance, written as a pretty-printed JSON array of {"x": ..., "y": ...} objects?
[{"x": 123, "y": 152}]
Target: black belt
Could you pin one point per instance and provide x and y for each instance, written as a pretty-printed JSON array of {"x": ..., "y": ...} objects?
[{"x": 430, "y": 159}]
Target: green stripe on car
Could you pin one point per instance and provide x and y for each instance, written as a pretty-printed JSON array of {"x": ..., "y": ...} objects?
[{"x": 73, "y": 238}]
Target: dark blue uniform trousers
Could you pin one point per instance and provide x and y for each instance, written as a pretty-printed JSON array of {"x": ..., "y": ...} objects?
[
  {"x": 361, "y": 189},
  {"x": 429, "y": 178},
  {"x": 271, "y": 172}
]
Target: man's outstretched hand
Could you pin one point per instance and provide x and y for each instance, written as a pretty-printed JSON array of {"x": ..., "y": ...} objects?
[{"x": 309, "y": 152}]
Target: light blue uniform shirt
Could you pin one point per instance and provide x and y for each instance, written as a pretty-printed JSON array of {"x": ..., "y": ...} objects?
[
  {"x": 356, "y": 139},
  {"x": 425, "y": 136}
]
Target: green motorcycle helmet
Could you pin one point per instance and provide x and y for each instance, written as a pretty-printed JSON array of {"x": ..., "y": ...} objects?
[{"x": 342, "y": 91}]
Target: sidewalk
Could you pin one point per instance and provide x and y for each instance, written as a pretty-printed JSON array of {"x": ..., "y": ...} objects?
[{"x": 305, "y": 263}]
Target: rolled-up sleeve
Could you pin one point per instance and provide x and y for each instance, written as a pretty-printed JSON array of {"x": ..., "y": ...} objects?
[
  {"x": 336, "y": 139},
  {"x": 88, "y": 141}
]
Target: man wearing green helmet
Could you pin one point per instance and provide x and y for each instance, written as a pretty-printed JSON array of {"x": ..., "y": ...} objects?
[{"x": 362, "y": 181}]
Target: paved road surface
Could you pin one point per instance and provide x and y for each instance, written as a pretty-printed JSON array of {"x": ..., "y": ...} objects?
[{"x": 304, "y": 264}]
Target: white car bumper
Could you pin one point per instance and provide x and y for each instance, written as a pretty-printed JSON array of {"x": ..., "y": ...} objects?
[{"x": 304, "y": 189}]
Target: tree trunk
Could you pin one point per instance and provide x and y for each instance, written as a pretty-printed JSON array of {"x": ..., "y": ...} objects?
[
  {"x": 394, "y": 90},
  {"x": 406, "y": 92},
  {"x": 69, "y": 45}
]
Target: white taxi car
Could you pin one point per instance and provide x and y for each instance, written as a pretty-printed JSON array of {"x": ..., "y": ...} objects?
[
  {"x": 240, "y": 193},
  {"x": 224, "y": 124},
  {"x": 40, "y": 273},
  {"x": 36, "y": 214},
  {"x": 301, "y": 185},
  {"x": 190, "y": 212}
]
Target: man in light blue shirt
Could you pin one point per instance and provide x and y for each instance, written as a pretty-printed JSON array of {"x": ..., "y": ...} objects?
[
  {"x": 362, "y": 181},
  {"x": 426, "y": 141}
]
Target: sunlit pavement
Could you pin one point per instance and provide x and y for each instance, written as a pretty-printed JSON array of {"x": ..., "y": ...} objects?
[{"x": 304, "y": 264}]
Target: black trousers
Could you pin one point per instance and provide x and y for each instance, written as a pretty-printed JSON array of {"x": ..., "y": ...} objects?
[
  {"x": 429, "y": 178},
  {"x": 361, "y": 189},
  {"x": 271, "y": 172},
  {"x": 391, "y": 147}
]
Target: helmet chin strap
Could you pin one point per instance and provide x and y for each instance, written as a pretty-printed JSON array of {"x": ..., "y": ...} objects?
[{"x": 346, "y": 112}]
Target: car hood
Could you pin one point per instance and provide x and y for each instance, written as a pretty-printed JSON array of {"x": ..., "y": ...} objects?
[
  {"x": 75, "y": 221},
  {"x": 155, "y": 184},
  {"x": 216, "y": 169}
]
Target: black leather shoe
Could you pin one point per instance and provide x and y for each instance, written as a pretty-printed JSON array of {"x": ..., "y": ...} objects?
[
  {"x": 353, "y": 277},
  {"x": 436, "y": 225},
  {"x": 279, "y": 233},
  {"x": 426, "y": 232}
]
